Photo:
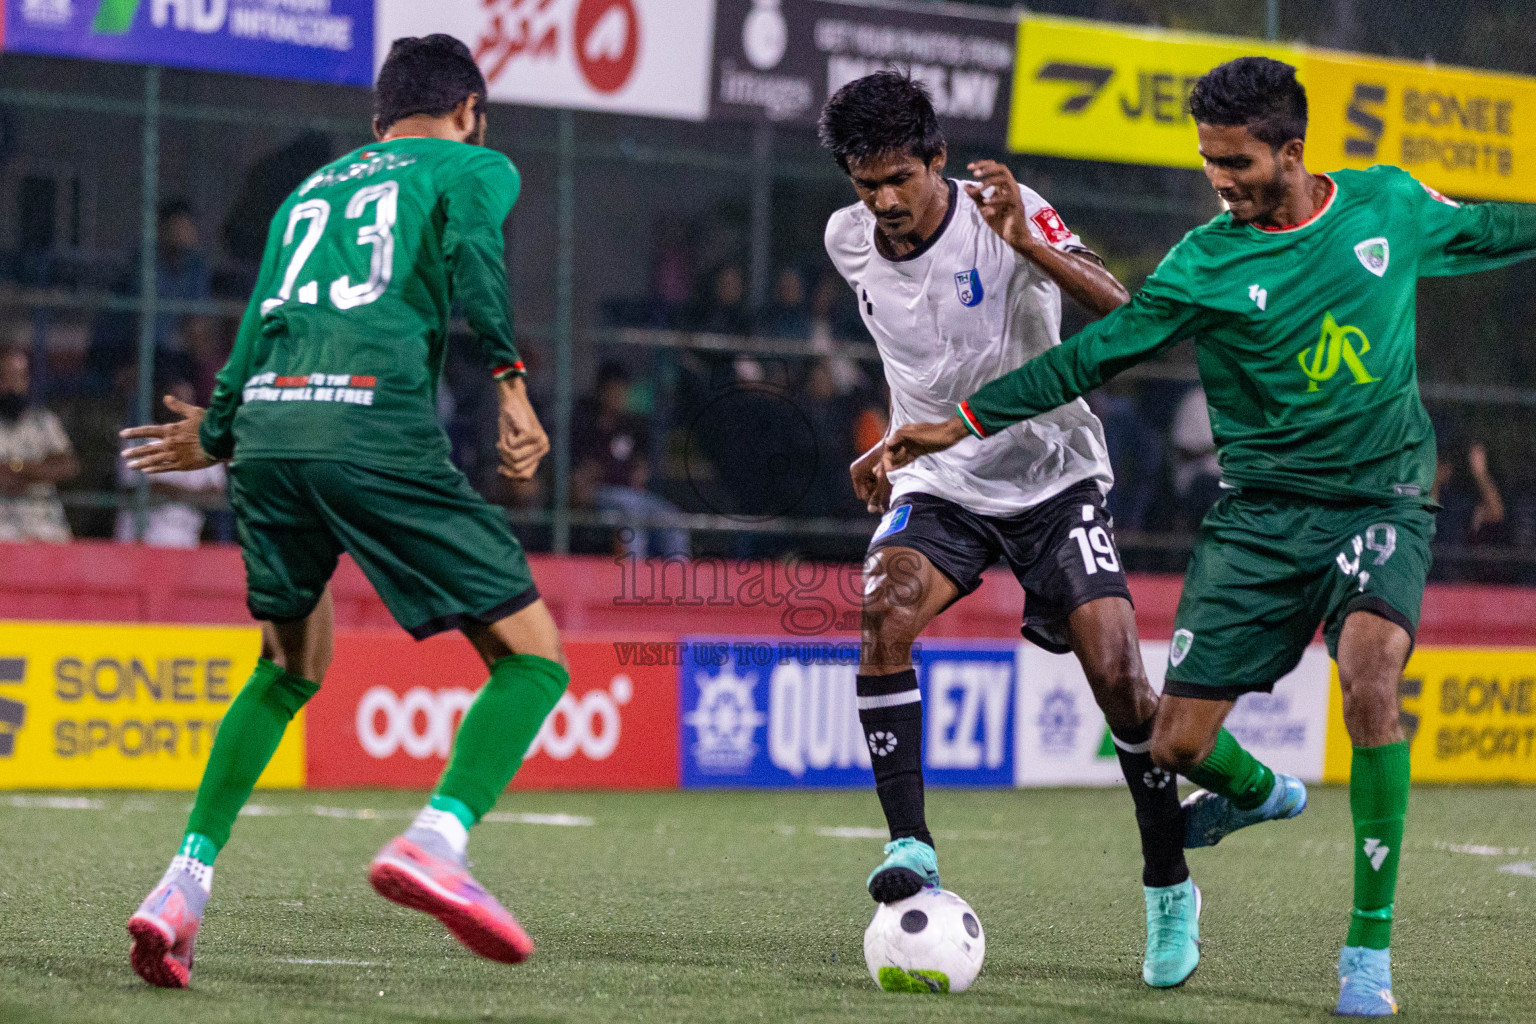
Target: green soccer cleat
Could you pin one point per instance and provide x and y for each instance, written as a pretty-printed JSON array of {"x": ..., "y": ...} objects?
[
  {"x": 1365, "y": 983},
  {"x": 1173, "y": 934},
  {"x": 910, "y": 865},
  {"x": 1209, "y": 817}
]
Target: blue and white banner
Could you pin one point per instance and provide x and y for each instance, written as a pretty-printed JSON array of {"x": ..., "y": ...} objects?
[
  {"x": 774, "y": 712},
  {"x": 317, "y": 40}
]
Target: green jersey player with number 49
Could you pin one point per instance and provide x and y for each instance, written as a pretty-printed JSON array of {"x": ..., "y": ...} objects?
[
  {"x": 1301, "y": 302},
  {"x": 327, "y": 408}
]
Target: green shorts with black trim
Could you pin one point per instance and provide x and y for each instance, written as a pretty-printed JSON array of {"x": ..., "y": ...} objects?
[
  {"x": 1268, "y": 568},
  {"x": 438, "y": 554}
]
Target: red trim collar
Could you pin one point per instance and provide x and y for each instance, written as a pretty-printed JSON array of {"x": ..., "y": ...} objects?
[{"x": 1333, "y": 190}]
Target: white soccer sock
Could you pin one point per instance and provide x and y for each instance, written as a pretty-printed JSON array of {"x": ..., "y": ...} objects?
[
  {"x": 446, "y": 825},
  {"x": 201, "y": 873}
]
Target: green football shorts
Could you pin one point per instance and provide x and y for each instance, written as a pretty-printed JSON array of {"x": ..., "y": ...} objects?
[
  {"x": 1268, "y": 568},
  {"x": 437, "y": 552}
]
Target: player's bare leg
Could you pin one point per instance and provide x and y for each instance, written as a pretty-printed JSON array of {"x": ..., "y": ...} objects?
[
  {"x": 1104, "y": 638},
  {"x": 294, "y": 658},
  {"x": 1238, "y": 790},
  {"x": 425, "y": 868},
  {"x": 1372, "y": 654},
  {"x": 903, "y": 591}
]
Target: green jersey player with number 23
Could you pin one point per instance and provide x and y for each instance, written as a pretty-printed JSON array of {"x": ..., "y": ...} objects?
[
  {"x": 1301, "y": 302},
  {"x": 327, "y": 408}
]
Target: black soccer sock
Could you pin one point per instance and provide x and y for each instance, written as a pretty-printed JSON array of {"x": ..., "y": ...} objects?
[
  {"x": 1159, "y": 817},
  {"x": 891, "y": 711}
]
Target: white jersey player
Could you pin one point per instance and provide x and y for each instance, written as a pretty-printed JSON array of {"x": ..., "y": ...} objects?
[{"x": 958, "y": 282}]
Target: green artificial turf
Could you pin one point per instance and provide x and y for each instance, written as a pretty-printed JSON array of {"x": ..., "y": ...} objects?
[{"x": 714, "y": 907}]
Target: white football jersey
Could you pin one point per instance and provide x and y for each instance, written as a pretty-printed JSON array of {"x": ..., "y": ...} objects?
[{"x": 956, "y": 313}]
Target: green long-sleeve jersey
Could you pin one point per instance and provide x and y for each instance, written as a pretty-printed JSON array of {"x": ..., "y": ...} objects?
[
  {"x": 340, "y": 350},
  {"x": 1304, "y": 336}
]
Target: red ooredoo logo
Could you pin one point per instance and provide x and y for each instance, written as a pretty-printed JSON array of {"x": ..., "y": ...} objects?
[{"x": 607, "y": 42}]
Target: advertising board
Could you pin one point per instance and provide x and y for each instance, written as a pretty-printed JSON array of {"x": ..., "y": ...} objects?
[
  {"x": 317, "y": 40},
  {"x": 781, "y": 59},
  {"x": 124, "y": 707},
  {"x": 623, "y": 56},
  {"x": 389, "y": 709},
  {"x": 771, "y": 712}
]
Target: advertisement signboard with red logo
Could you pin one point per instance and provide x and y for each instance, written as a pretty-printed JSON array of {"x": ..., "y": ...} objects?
[
  {"x": 389, "y": 708},
  {"x": 625, "y": 56}
]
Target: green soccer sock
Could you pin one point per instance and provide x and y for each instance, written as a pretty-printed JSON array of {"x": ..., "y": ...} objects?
[
  {"x": 496, "y": 732},
  {"x": 1234, "y": 773},
  {"x": 1378, "y": 801},
  {"x": 247, "y": 738}
]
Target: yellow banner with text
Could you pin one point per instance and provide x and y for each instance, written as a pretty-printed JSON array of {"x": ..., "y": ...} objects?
[
  {"x": 1097, "y": 92},
  {"x": 124, "y": 707},
  {"x": 1466, "y": 133},
  {"x": 1470, "y": 715}
]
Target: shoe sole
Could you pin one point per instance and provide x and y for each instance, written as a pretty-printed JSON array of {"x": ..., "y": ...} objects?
[
  {"x": 894, "y": 884},
  {"x": 494, "y": 940},
  {"x": 150, "y": 954}
]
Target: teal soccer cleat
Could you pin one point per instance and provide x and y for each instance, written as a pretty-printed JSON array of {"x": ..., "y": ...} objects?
[
  {"x": 1173, "y": 934},
  {"x": 1210, "y": 817},
  {"x": 910, "y": 865},
  {"x": 1365, "y": 983}
]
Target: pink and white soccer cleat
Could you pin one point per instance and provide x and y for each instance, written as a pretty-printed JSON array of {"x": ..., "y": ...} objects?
[
  {"x": 419, "y": 871},
  {"x": 163, "y": 930}
]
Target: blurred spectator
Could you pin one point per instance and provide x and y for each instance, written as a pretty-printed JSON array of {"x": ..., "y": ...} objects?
[
  {"x": 786, "y": 315},
  {"x": 611, "y": 469},
  {"x": 671, "y": 274},
  {"x": 872, "y": 420},
  {"x": 175, "y": 516},
  {"x": 726, "y": 310},
  {"x": 1135, "y": 455},
  {"x": 1470, "y": 503},
  {"x": 35, "y": 455},
  {"x": 1196, "y": 471},
  {"x": 830, "y": 324},
  {"x": 184, "y": 345},
  {"x": 831, "y": 416}
]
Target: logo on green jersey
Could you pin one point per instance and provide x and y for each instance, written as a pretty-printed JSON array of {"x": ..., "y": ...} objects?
[
  {"x": 1183, "y": 640},
  {"x": 115, "y": 17},
  {"x": 1336, "y": 345}
]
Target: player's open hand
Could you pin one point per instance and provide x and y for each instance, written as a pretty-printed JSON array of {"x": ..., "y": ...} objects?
[
  {"x": 870, "y": 483},
  {"x": 521, "y": 441},
  {"x": 915, "y": 440},
  {"x": 168, "y": 447},
  {"x": 996, "y": 192}
]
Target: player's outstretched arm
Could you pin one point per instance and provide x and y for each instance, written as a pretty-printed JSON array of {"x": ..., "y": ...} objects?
[
  {"x": 169, "y": 447},
  {"x": 1466, "y": 239},
  {"x": 1157, "y": 317},
  {"x": 522, "y": 442},
  {"x": 1002, "y": 207}
]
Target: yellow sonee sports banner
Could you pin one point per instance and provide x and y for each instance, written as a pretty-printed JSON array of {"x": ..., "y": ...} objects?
[
  {"x": 127, "y": 707},
  {"x": 1470, "y": 713},
  {"x": 1467, "y": 133},
  {"x": 1093, "y": 92}
]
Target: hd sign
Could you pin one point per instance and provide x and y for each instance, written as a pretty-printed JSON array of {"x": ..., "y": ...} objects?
[
  {"x": 123, "y": 706},
  {"x": 623, "y": 56},
  {"x": 319, "y": 40}
]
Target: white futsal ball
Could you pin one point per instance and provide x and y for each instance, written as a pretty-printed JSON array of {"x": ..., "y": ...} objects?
[{"x": 929, "y": 943}]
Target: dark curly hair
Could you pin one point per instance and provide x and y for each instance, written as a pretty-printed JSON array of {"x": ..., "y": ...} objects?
[
  {"x": 426, "y": 75},
  {"x": 1257, "y": 92},
  {"x": 886, "y": 112}
]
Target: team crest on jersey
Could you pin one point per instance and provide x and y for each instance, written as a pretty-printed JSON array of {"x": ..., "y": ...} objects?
[
  {"x": 1183, "y": 640},
  {"x": 968, "y": 285},
  {"x": 1374, "y": 254}
]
